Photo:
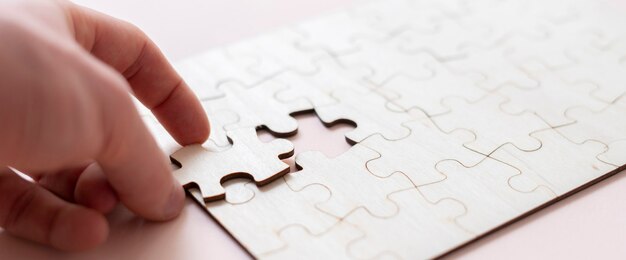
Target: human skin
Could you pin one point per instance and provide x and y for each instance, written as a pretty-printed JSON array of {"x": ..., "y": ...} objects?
[{"x": 68, "y": 122}]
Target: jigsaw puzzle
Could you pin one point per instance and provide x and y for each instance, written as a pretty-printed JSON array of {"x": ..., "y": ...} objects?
[{"x": 468, "y": 114}]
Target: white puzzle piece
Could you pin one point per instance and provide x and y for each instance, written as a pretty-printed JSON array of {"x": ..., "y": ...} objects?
[
  {"x": 420, "y": 230},
  {"x": 427, "y": 94},
  {"x": 270, "y": 209},
  {"x": 351, "y": 184},
  {"x": 302, "y": 245},
  {"x": 493, "y": 127},
  {"x": 484, "y": 190},
  {"x": 417, "y": 154},
  {"x": 559, "y": 164},
  {"x": 551, "y": 99}
]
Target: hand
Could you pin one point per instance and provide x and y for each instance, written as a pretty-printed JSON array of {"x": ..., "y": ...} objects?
[{"x": 67, "y": 121}]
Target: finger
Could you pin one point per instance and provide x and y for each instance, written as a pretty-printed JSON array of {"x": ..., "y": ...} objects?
[
  {"x": 85, "y": 185},
  {"x": 32, "y": 212},
  {"x": 94, "y": 191},
  {"x": 130, "y": 158},
  {"x": 153, "y": 80},
  {"x": 61, "y": 183}
]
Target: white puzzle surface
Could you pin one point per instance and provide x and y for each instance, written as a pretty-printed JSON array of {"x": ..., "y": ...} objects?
[{"x": 469, "y": 114}]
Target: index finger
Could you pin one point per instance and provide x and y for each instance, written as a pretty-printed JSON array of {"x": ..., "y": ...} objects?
[{"x": 153, "y": 80}]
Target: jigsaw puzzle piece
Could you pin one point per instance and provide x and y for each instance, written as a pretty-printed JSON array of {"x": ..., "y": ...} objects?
[
  {"x": 257, "y": 107},
  {"x": 393, "y": 15},
  {"x": 604, "y": 68},
  {"x": 554, "y": 51},
  {"x": 496, "y": 67},
  {"x": 207, "y": 169},
  {"x": 220, "y": 116},
  {"x": 446, "y": 42},
  {"x": 615, "y": 43},
  {"x": 426, "y": 94},
  {"x": 317, "y": 87},
  {"x": 301, "y": 244},
  {"x": 335, "y": 33},
  {"x": 551, "y": 99},
  {"x": 349, "y": 181},
  {"x": 276, "y": 52},
  {"x": 493, "y": 127},
  {"x": 616, "y": 153},
  {"x": 484, "y": 190},
  {"x": 386, "y": 59},
  {"x": 235, "y": 190},
  {"x": 600, "y": 125},
  {"x": 203, "y": 73},
  {"x": 506, "y": 19},
  {"x": 168, "y": 145},
  {"x": 559, "y": 165},
  {"x": 256, "y": 223},
  {"x": 410, "y": 234},
  {"x": 370, "y": 114},
  {"x": 417, "y": 154}
]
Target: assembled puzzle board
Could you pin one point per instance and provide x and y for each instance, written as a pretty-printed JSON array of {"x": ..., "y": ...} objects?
[{"x": 468, "y": 114}]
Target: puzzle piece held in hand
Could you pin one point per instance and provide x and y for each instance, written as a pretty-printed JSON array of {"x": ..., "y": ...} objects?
[{"x": 248, "y": 157}]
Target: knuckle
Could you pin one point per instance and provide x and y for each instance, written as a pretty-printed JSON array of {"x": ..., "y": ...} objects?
[{"x": 18, "y": 207}]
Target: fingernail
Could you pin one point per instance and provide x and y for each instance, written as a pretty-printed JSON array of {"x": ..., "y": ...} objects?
[{"x": 175, "y": 202}]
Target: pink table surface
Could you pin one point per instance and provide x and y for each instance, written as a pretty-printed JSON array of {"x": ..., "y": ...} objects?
[{"x": 590, "y": 224}]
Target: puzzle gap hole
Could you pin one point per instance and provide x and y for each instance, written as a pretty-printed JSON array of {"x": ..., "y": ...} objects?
[{"x": 313, "y": 135}]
